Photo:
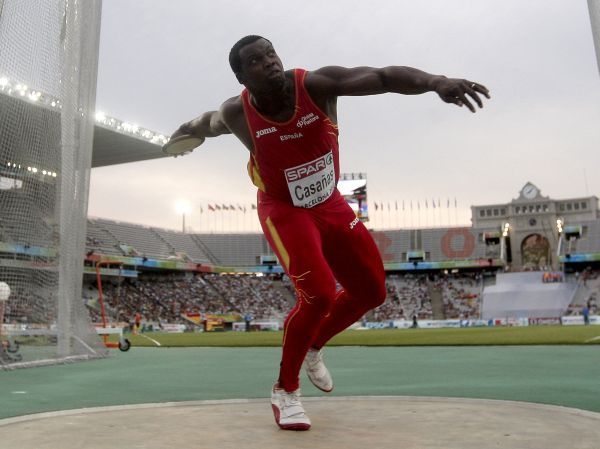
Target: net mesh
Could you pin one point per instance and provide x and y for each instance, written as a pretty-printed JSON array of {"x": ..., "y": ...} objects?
[{"x": 48, "y": 69}]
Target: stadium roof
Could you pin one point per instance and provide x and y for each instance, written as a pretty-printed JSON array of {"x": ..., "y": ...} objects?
[
  {"x": 111, "y": 146},
  {"x": 115, "y": 141}
]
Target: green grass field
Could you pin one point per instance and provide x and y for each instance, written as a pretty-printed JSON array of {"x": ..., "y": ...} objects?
[{"x": 481, "y": 336}]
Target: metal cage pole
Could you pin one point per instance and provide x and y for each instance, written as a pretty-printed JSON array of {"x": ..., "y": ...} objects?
[{"x": 594, "y": 8}]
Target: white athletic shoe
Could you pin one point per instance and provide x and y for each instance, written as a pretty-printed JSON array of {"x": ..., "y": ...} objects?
[
  {"x": 316, "y": 370},
  {"x": 288, "y": 410}
]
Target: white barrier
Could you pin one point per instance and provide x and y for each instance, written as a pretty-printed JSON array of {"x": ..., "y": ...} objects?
[
  {"x": 173, "y": 328},
  {"x": 262, "y": 325},
  {"x": 572, "y": 320},
  {"x": 494, "y": 322}
]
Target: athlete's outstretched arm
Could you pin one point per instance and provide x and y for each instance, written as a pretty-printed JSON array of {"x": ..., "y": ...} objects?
[
  {"x": 338, "y": 81},
  {"x": 208, "y": 124}
]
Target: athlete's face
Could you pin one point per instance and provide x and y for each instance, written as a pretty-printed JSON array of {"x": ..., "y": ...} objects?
[{"x": 261, "y": 67}]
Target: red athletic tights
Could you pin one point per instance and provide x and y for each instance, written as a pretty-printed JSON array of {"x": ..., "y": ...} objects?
[{"x": 316, "y": 247}]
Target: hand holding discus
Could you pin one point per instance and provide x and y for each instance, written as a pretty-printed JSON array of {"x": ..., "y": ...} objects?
[{"x": 182, "y": 144}]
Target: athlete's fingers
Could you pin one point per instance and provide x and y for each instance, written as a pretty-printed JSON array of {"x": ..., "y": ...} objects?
[
  {"x": 462, "y": 98},
  {"x": 480, "y": 88}
]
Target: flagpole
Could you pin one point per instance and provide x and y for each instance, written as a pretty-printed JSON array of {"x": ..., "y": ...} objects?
[{"x": 455, "y": 213}]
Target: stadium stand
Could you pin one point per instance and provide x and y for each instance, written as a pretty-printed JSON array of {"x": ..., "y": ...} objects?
[
  {"x": 462, "y": 295},
  {"x": 100, "y": 240},
  {"x": 438, "y": 244},
  {"x": 183, "y": 243},
  {"x": 407, "y": 296},
  {"x": 164, "y": 298},
  {"x": 588, "y": 293},
  {"x": 136, "y": 239},
  {"x": 525, "y": 295},
  {"x": 589, "y": 242},
  {"x": 235, "y": 249},
  {"x": 25, "y": 226}
]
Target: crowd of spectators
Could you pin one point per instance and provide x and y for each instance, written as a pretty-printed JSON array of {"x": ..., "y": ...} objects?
[
  {"x": 407, "y": 296},
  {"x": 27, "y": 307},
  {"x": 590, "y": 283},
  {"x": 166, "y": 298},
  {"x": 461, "y": 295}
]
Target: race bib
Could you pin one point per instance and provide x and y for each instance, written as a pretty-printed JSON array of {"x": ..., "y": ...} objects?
[{"x": 313, "y": 182}]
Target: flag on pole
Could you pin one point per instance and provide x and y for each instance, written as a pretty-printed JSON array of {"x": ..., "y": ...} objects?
[
  {"x": 231, "y": 207},
  {"x": 455, "y": 203},
  {"x": 240, "y": 208},
  {"x": 217, "y": 207},
  {"x": 448, "y": 204},
  {"x": 253, "y": 206},
  {"x": 402, "y": 204},
  {"x": 224, "y": 207},
  {"x": 201, "y": 210},
  {"x": 210, "y": 207},
  {"x": 426, "y": 205},
  {"x": 376, "y": 206},
  {"x": 396, "y": 205},
  {"x": 433, "y": 203}
]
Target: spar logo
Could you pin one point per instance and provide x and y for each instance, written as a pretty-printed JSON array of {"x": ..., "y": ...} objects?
[
  {"x": 307, "y": 119},
  {"x": 264, "y": 132},
  {"x": 310, "y": 168}
]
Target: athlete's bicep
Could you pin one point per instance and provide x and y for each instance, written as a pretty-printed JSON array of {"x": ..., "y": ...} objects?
[{"x": 339, "y": 81}]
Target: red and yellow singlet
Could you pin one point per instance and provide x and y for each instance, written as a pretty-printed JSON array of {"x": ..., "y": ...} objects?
[{"x": 296, "y": 161}]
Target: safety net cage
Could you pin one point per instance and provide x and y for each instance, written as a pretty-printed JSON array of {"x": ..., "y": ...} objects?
[{"x": 48, "y": 71}]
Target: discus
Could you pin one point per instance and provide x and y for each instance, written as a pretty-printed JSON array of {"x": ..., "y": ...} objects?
[{"x": 182, "y": 145}]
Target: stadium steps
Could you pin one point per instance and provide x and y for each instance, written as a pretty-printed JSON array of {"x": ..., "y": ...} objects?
[
  {"x": 206, "y": 250},
  {"x": 581, "y": 294},
  {"x": 168, "y": 244},
  {"x": 437, "y": 303},
  {"x": 183, "y": 243},
  {"x": 108, "y": 243}
]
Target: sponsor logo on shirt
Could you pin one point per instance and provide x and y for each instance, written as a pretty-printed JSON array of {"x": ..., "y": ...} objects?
[
  {"x": 307, "y": 119},
  {"x": 354, "y": 223},
  {"x": 310, "y": 168},
  {"x": 264, "y": 132},
  {"x": 311, "y": 183}
]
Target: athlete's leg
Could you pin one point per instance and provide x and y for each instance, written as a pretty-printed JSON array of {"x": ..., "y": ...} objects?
[
  {"x": 295, "y": 238},
  {"x": 356, "y": 264}
]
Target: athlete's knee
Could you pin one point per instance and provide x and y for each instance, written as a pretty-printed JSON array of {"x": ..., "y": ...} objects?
[{"x": 318, "y": 297}]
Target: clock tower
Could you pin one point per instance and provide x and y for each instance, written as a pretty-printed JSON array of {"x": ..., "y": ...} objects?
[
  {"x": 529, "y": 223},
  {"x": 529, "y": 192}
]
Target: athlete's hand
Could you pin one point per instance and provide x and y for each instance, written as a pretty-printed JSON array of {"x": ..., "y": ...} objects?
[
  {"x": 188, "y": 128},
  {"x": 461, "y": 92}
]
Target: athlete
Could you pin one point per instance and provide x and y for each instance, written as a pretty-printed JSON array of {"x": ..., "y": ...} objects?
[{"x": 287, "y": 119}]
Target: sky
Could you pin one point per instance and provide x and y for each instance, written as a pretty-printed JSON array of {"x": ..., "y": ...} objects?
[{"x": 162, "y": 63}]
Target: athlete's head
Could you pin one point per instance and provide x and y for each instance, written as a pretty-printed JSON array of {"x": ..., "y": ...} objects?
[
  {"x": 255, "y": 63},
  {"x": 234, "y": 54}
]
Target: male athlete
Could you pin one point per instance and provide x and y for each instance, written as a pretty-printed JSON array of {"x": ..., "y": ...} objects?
[{"x": 287, "y": 119}]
